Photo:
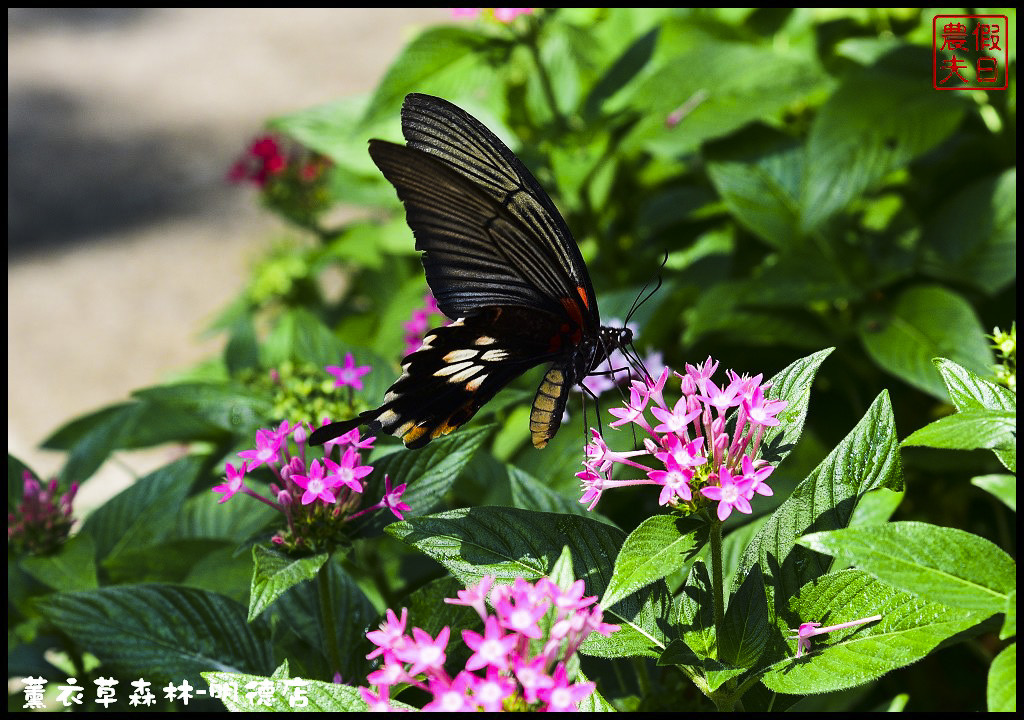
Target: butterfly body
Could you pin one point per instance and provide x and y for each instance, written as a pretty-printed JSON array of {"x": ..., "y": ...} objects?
[{"x": 500, "y": 259}]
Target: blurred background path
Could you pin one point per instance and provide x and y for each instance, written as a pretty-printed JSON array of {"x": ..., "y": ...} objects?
[{"x": 124, "y": 240}]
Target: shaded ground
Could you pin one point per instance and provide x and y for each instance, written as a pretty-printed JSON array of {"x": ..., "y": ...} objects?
[{"x": 123, "y": 238}]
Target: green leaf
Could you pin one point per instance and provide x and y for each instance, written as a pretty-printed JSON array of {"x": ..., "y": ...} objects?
[
  {"x": 144, "y": 513},
  {"x": 660, "y": 546},
  {"x": 874, "y": 123},
  {"x": 922, "y": 323},
  {"x": 973, "y": 236},
  {"x": 968, "y": 391},
  {"x": 877, "y": 506},
  {"x": 968, "y": 430},
  {"x": 759, "y": 181},
  {"x": 72, "y": 567},
  {"x": 170, "y": 560},
  {"x": 1003, "y": 487},
  {"x": 1002, "y": 681},
  {"x": 442, "y": 61},
  {"x": 275, "y": 573},
  {"x": 939, "y": 564},
  {"x": 910, "y": 629},
  {"x": 227, "y": 406},
  {"x": 204, "y": 516},
  {"x": 792, "y": 384},
  {"x": 161, "y": 632},
  {"x": 744, "y": 634},
  {"x": 739, "y": 83},
  {"x": 530, "y": 493},
  {"x": 510, "y": 543},
  {"x": 339, "y": 639},
  {"x": 430, "y": 471},
  {"x": 866, "y": 459},
  {"x": 695, "y": 616},
  {"x": 287, "y": 694}
]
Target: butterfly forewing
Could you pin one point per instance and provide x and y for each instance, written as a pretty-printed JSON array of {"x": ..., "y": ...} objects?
[
  {"x": 474, "y": 253},
  {"x": 463, "y": 144}
]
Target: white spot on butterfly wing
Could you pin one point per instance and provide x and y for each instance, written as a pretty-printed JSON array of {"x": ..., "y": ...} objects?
[
  {"x": 459, "y": 355},
  {"x": 452, "y": 369}
]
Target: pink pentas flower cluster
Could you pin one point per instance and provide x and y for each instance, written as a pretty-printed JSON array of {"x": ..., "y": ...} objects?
[
  {"x": 519, "y": 662},
  {"x": 42, "y": 520},
  {"x": 422, "y": 319},
  {"x": 502, "y": 15},
  {"x": 317, "y": 495},
  {"x": 690, "y": 453}
]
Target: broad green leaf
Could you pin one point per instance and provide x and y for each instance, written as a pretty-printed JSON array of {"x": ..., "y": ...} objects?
[
  {"x": 739, "y": 83},
  {"x": 875, "y": 122},
  {"x": 510, "y": 543},
  {"x": 430, "y": 471},
  {"x": 695, "y": 612},
  {"x": 660, "y": 546},
  {"x": 1003, "y": 487},
  {"x": 968, "y": 430},
  {"x": 974, "y": 235},
  {"x": 285, "y": 694},
  {"x": 230, "y": 407},
  {"x": 530, "y": 493},
  {"x": 696, "y": 623},
  {"x": 877, "y": 506},
  {"x": 866, "y": 459},
  {"x": 910, "y": 628},
  {"x": 722, "y": 309},
  {"x": 161, "y": 632},
  {"x": 332, "y": 620},
  {"x": 301, "y": 336},
  {"x": 171, "y": 560},
  {"x": 922, "y": 323},
  {"x": 939, "y": 564},
  {"x": 443, "y": 61},
  {"x": 144, "y": 513},
  {"x": 759, "y": 181},
  {"x": 72, "y": 567},
  {"x": 744, "y": 634},
  {"x": 274, "y": 573},
  {"x": 204, "y": 516},
  {"x": 1002, "y": 681},
  {"x": 968, "y": 391},
  {"x": 72, "y": 432},
  {"x": 329, "y": 129},
  {"x": 792, "y": 384}
]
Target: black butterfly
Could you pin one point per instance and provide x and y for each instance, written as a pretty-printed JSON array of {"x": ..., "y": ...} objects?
[{"x": 498, "y": 257}]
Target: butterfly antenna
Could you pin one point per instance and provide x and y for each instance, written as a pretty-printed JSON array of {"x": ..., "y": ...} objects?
[{"x": 643, "y": 296}]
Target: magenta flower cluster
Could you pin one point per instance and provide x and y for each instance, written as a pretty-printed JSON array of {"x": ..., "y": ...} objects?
[
  {"x": 309, "y": 490},
  {"x": 502, "y": 15},
  {"x": 263, "y": 159},
  {"x": 519, "y": 662},
  {"x": 697, "y": 458},
  {"x": 42, "y": 520}
]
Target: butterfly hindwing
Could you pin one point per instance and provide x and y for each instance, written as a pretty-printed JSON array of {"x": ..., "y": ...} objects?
[{"x": 458, "y": 369}]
